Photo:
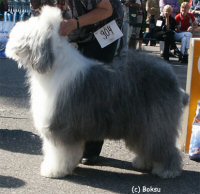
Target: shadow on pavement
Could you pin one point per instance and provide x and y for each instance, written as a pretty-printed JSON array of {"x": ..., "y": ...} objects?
[
  {"x": 115, "y": 163},
  {"x": 10, "y": 182},
  {"x": 20, "y": 141},
  {"x": 115, "y": 182}
]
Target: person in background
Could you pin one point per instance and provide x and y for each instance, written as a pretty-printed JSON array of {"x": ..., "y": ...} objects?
[
  {"x": 153, "y": 12},
  {"x": 194, "y": 3},
  {"x": 190, "y": 2},
  {"x": 176, "y": 8},
  {"x": 195, "y": 9},
  {"x": 186, "y": 24},
  {"x": 144, "y": 24},
  {"x": 174, "y": 3},
  {"x": 3, "y": 7},
  {"x": 125, "y": 29},
  {"x": 132, "y": 24},
  {"x": 165, "y": 30},
  {"x": 152, "y": 9},
  {"x": 95, "y": 14}
]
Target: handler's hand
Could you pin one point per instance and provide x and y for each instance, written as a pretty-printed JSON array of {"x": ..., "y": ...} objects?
[
  {"x": 67, "y": 27},
  {"x": 190, "y": 29}
]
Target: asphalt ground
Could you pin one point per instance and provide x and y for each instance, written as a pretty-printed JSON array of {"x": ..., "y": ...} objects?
[{"x": 20, "y": 151}]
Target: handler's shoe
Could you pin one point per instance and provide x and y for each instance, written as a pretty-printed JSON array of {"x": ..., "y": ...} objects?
[
  {"x": 184, "y": 59},
  {"x": 177, "y": 53},
  {"x": 89, "y": 161}
]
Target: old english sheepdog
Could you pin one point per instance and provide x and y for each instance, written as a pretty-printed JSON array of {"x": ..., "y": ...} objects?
[{"x": 75, "y": 99}]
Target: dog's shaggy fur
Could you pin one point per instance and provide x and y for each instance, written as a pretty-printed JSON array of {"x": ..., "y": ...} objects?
[{"x": 75, "y": 99}]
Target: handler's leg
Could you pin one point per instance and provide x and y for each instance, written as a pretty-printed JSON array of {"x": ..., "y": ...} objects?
[{"x": 91, "y": 153}]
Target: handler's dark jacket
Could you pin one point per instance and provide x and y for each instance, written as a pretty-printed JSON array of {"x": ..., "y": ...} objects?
[
  {"x": 78, "y": 8},
  {"x": 163, "y": 27},
  {"x": 161, "y": 31},
  {"x": 81, "y": 7},
  {"x": 166, "y": 35}
]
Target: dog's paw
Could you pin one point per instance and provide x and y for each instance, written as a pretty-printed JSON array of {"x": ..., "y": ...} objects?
[
  {"x": 158, "y": 170},
  {"x": 52, "y": 171},
  {"x": 140, "y": 164}
]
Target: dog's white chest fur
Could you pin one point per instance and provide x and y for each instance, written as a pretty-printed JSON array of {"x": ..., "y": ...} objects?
[
  {"x": 42, "y": 99},
  {"x": 45, "y": 89}
]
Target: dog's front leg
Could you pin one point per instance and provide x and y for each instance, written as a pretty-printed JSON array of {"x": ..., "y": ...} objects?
[{"x": 60, "y": 159}]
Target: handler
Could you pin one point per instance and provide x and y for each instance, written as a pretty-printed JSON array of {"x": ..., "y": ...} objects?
[{"x": 82, "y": 19}]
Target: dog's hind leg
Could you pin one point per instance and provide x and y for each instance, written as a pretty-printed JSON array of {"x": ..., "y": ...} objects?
[
  {"x": 166, "y": 157},
  {"x": 60, "y": 159},
  {"x": 158, "y": 154},
  {"x": 140, "y": 163},
  {"x": 170, "y": 166}
]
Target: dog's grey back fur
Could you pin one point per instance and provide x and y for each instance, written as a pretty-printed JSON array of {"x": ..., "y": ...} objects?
[{"x": 136, "y": 101}]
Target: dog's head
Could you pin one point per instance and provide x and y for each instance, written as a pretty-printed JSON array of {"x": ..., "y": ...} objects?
[{"x": 30, "y": 41}]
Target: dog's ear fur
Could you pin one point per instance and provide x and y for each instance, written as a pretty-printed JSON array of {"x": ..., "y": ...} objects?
[
  {"x": 39, "y": 51},
  {"x": 30, "y": 41},
  {"x": 31, "y": 46}
]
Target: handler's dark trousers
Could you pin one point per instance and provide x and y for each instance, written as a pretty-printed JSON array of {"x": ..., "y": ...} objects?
[{"x": 168, "y": 38}]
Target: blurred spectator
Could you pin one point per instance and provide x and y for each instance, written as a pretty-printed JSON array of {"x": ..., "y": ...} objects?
[
  {"x": 190, "y": 2},
  {"x": 165, "y": 30},
  {"x": 134, "y": 16},
  {"x": 174, "y": 3},
  {"x": 195, "y": 3},
  {"x": 195, "y": 9},
  {"x": 153, "y": 12},
  {"x": 186, "y": 24},
  {"x": 152, "y": 8},
  {"x": 3, "y": 6},
  {"x": 143, "y": 25}
]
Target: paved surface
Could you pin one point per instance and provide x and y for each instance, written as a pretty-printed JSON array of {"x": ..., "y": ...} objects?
[{"x": 20, "y": 152}]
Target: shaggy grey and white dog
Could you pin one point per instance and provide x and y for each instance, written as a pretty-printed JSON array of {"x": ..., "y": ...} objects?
[{"x": 74, "y": 100}]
